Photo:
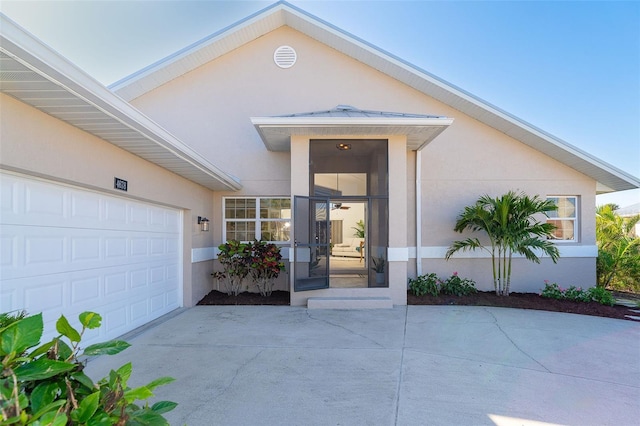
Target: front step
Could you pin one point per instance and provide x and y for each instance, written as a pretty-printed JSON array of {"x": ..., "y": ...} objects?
[{"x": 349, "y": 303}]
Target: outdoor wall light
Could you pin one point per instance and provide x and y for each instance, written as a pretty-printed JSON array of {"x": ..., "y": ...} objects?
[
  {"x": 204, "y": 223},
  {"x": 343, "y": 146}
]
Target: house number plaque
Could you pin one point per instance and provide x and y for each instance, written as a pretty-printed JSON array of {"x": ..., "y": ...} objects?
[{"x": 120, "y": 184}]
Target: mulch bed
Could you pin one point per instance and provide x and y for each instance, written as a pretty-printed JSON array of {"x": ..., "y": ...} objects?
[
  {"x": 215, "y": 297},
  {"x": 515, "y": 300},
  {"x": 524, "y": 301}
]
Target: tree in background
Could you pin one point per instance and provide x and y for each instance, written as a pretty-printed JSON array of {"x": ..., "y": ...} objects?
[
  {"x": 618, "y": 263},
  {"x": 510, "y": 224}
]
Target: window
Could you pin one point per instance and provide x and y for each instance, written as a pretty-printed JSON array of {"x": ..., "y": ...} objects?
[
  {"x": 268, "y": 219},
  {"x": 565, "y": 218}
]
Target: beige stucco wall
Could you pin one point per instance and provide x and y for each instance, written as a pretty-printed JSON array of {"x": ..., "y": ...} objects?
[
  {"x": 37, "y": 144},
  {"x": 470, "y": 160},
  {"x": 210, "y": 108}
]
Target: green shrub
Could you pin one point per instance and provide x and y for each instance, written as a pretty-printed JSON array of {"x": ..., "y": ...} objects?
[
  {"x": 456, "y": 286},
  {"x": 47, "y": 386},
  {"x": 259, "y": 259},
  {"x": 618, "y": 262},
  {"x": 577, "y": 294},
  {"x": 552, "y": 291},
  {"x": 235, "y": 258},
  {"x": 594, "y": 294},
  {"x": 432, "y": 285},
  {"x": 602, "y": 296},
  {"x": 264, "y": 265},
  {"x": 425, "y": 284}
]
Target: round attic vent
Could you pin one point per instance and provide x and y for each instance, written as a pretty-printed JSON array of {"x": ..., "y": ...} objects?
[{"x": 285, "y": 56}]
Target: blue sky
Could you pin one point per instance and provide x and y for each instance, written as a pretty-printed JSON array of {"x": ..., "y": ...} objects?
[{"x": 571, "y": 68}]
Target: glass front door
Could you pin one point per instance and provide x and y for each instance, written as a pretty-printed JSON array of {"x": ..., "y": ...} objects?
[{"x": 311, "y": 243}]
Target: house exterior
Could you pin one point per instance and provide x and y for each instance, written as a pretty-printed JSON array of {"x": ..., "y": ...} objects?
[
  {"x": 281, "y": 127},
  {"x": 631, "y": 211}
]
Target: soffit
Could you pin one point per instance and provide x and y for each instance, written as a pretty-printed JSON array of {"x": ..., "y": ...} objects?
[
  {"x": 36, "y": 75},
  {"x": 282, "y": 13}
]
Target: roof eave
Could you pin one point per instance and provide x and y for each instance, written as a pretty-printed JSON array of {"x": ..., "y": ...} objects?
[{"x": 25, "y": 49}]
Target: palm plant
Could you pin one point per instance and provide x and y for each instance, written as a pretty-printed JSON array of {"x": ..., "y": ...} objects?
[
  {"x": 510, "y": 224},
  {"x": 618, "y": 263}
]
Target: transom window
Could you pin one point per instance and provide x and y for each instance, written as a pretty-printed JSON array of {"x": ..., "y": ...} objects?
[
  {"x": 263, "y": 218},
  {"x": 565, "y": 218}
]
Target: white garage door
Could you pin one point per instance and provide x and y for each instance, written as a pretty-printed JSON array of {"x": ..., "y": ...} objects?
[{"x": 65, "y": 250}]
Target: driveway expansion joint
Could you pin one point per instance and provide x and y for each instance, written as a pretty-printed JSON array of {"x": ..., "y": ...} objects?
[
  {"x": 345, "y": 329},
  {"x": 515, "y": 345}
]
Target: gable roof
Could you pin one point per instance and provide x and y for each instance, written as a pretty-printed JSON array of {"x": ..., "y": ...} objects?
[
  {"x": 608, "y": 177},
  {"x": 632, "y": 210},
  {"x": 36, "y": 75}
]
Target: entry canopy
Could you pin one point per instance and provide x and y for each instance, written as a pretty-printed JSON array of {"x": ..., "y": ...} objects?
[{"x": 345, "y": 120}]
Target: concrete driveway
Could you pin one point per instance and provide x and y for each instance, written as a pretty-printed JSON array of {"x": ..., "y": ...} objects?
[{"x": 416, "y": 365}]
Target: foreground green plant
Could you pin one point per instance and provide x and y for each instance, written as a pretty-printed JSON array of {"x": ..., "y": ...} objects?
[
  {"x": 8, "y": 318},
  {"x": 593, "y": 294},
  {"x": 510, "y": 224},
  {"x": 47, "y": 386}
]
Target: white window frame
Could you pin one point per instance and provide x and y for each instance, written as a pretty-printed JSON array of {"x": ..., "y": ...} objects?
[
  {"x": 257, "y": 220},
  {"x": 575, "y": 219}
]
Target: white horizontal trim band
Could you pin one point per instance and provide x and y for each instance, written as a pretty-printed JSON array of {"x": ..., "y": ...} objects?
[
  {"x": 211, "y": 253},
  {"x": 403, "y": 254},
  {"x": 203, "y": 254},
  {"x": 439, "y": 252},
  {"x": 398, "y": 254}
]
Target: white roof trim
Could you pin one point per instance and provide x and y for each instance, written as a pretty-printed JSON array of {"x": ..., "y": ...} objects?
[
  {"x": 38, "y": 70},
  {"x": 276, "y": 132},
  {"x": 609, "y": 178},
  {"x": 351, "y": 121}
]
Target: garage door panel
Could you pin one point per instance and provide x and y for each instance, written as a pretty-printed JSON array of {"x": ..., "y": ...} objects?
[
  {"x": 115, "y": 284},
  {"x": 115, "y": 319},
  {"x": 115, "y": 213},
  {"x": 7, "y": 249},
  {"x": 44, "y": 202},
  {"x": 42, "y": 250},
  {"x": 65, "y": 250},
  {"x": 36, "y": 250},
  {"x": 31, "y": 202},
  {"x": 115, "y": 247},
  {"x": 102, "y": 290},
  {"x": 85, "y": 290},
  {"x": 86, "y": 207},
  {"x": 8, "y": 192},
  {"x": 85, "y": 249}
]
